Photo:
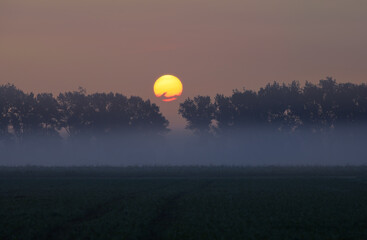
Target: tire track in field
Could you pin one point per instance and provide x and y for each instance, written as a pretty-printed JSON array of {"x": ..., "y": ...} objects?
[
  {"x": 95, "y": 212},
  {"x": 166, "y": 212}
]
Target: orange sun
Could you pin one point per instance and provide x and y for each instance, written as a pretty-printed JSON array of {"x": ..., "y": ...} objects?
[{"x": 168, "y": 87}]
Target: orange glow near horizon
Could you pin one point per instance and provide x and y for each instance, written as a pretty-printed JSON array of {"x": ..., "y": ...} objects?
[{"x": 168, "y": 87}]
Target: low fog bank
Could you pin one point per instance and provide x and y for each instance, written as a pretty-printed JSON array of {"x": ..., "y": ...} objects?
[{"x": 254, "y": 147}]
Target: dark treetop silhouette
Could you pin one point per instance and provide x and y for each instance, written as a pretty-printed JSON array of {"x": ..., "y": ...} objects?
[
  {"x": 27, "y": 115},
  {"x": 284, "y": 108}
]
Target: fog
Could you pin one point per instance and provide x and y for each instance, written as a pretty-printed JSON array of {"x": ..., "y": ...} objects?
[{"x": 251, "y": 147}]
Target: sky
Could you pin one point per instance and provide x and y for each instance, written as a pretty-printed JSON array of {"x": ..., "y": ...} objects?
[{"x": 213, "y": 46}]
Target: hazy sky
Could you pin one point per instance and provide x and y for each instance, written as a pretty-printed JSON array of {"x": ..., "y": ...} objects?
[{"x": 212, "y": 46}]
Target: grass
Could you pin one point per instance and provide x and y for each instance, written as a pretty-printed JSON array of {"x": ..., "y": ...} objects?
[{"x": 183, "y": 203}]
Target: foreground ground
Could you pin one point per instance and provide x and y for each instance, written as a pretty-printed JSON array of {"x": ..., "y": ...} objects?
[{"x": 183, "y": 203}]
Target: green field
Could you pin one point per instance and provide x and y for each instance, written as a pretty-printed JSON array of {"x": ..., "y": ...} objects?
[{"x": 183, "y": 203}]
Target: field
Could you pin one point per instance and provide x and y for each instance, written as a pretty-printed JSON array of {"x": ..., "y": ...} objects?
[{"x": 183, "y": 203}]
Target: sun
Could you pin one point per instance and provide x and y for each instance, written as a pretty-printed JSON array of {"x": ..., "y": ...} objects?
[{"x": 167, "y": 87}]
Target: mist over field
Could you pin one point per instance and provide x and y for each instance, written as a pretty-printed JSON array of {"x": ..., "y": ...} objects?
[
  {"x": 248, "y": 147},
  {"x": 281, "y": 124}
]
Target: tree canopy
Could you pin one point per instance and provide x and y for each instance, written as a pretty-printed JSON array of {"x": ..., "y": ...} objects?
[
  {"x": 280, "y": 107},
  {"x": 24, "y": 115}
]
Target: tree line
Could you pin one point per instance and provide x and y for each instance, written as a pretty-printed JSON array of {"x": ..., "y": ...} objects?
[
  {"x": 320, "y": 107},
  {"x": 78, "y": 114}
]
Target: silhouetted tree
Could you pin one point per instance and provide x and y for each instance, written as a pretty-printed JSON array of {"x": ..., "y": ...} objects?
[
  {"x": 8, "y": 95},
  {"x": 237, "y": 111},
  {"x": 118, "y": 118},
  {"x": 48, "y": 110},
  {"x": 199, "y": 113},
  {"x": 145, "y": 116},
  {"x": 21, "y": 114},
  {"x": 225, "y": 112},
  {"x": 76, "y": 113}
]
